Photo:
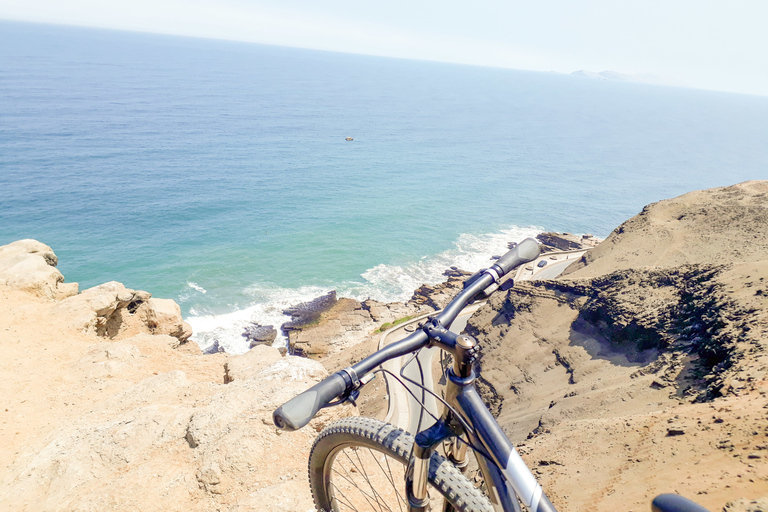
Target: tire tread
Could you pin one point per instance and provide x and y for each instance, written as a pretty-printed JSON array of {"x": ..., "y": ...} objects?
[{"x": 443, "y": 475}]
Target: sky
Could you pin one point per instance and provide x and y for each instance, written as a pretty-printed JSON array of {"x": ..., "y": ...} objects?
[{"x": 708, "y": 44}]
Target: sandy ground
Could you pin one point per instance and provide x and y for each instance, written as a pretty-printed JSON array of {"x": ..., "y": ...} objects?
[{"x": 89, "y": 423}]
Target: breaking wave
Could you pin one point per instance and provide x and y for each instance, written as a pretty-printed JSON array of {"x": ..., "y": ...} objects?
[{"x": 385, "y": 283}]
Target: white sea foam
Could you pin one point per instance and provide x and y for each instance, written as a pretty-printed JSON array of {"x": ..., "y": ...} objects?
[
  {"x": 267, "y": 309},
  {"x": 197, "y": 287},
  {"x": 383, "y": 282},
  {"x": 389, "y": 283}
]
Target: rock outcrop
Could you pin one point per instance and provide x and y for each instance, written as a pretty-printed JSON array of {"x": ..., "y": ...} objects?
[
  {"x": 111, "y": 310},
  {"x": 437, "y": 296},
  {"x": 259, "y": 334},
  {"x": 104, "y": 408},
  {"x": 308, "y": 313},
  {"x": 344, "y": 323},
  {"x": 30, "y": 266}
]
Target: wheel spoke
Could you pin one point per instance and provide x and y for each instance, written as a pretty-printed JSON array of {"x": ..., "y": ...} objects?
[
  {"x": 336, "y": 499},
  {"x": 388, "y": 474},
  {"x": 368, "y": 480},
  {"x": 351, "y": 480}
]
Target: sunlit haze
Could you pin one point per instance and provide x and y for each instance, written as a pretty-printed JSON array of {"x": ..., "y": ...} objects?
[{"x": 708, "y": 44}]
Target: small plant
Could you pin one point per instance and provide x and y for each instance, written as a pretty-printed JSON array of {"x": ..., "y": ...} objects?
[{"x": 388, "y": 325}]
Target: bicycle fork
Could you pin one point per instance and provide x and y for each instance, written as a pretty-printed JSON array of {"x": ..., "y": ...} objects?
[
  {"x": 417, "y": 474},
  {"x": 426, "y": 441}
]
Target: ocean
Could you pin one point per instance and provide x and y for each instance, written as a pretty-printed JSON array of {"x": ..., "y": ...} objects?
[{"x": 218, "y": 173}]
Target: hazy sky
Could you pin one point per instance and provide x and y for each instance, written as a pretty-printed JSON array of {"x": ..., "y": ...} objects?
[{"x": 711, "y": 44}]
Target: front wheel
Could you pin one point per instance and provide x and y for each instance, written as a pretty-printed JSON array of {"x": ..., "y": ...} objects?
[{"x": 359, "y": 464}]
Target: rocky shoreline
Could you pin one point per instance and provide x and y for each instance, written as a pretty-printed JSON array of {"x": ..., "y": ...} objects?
[{"x": 328, "y": 325}]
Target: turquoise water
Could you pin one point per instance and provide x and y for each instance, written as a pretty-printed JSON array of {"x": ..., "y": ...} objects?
[{"x": 217, "y": 173}]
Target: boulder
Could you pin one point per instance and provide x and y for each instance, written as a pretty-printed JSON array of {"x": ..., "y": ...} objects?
[
  {"x": 164, "y": 317},
  {"x": 248, "y": 365},
  {"x": 30, "y": 266},
  {"x": 103, "y": 309},
  {"x": 260, "y": 334},
  {"x": 111, "y": 310}
]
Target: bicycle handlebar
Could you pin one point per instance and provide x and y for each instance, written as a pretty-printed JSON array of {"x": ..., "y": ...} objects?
[
  {"x": 298, "y": 411},
  {"x": 525, "y": 251}
]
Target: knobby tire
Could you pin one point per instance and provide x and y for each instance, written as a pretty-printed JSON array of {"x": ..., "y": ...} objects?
[{"x": 359, "y": 464}]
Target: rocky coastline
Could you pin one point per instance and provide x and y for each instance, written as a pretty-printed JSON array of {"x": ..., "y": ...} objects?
[
  {"x": 642, "y": 369},
  {"x": 329, "y": 324}
]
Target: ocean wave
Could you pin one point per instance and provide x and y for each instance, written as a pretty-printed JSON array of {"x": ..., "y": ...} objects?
[
  {"x": 197, "y": 287},
  {"x": 389, "y": 283},
  {"x": 385, "y": 283},
  {"x": 225, "y": 330}
]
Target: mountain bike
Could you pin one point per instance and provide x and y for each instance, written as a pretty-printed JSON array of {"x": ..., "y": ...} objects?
[{"x": 360, "y": 463}]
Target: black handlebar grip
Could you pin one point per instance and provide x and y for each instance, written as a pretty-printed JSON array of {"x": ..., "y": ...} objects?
[
  {"x": 675, "y": 503},
  {"x": 525, "y": 251},
  {"x": 299, "y": 410}
]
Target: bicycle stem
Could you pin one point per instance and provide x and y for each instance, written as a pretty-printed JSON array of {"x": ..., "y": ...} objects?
[{"x": 420, "y": 339}]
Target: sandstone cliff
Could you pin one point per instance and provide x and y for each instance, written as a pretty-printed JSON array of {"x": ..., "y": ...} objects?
[
  {"x": 106, "y": 407},
  {"x": 644, "y": 369}
]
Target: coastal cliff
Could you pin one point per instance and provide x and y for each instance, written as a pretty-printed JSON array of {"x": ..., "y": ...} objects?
[
  {"x": 106, "y": 404},
  {"x": 641, "y": 370},
  {"x": 644, "y": 367}
]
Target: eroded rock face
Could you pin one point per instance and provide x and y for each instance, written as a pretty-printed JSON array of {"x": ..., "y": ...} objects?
[
  {"x": 343, "y": 324},
  {"x": 679, "y": 330},
  {"x": 30, "y": 266},
  {"x": 611, "y": 360},
  {"x": 111, "y": 310}
]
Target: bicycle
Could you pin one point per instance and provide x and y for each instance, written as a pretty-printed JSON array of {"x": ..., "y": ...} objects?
[{"x": 360, "y": 463}]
